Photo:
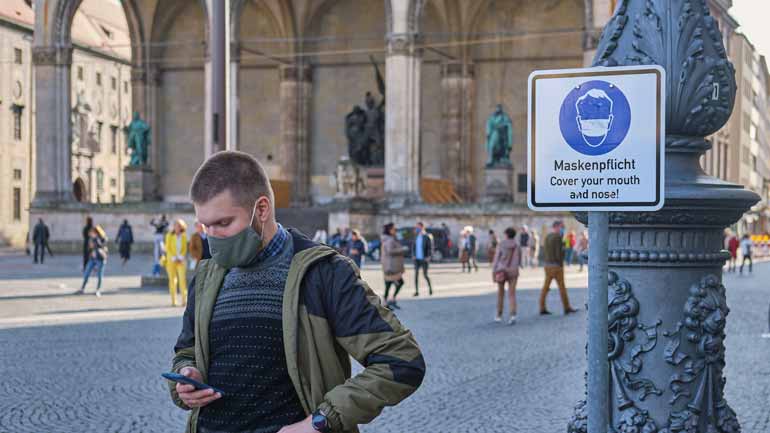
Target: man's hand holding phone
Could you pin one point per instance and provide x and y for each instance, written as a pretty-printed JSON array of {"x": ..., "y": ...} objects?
[{"x": 191, "y": 396}]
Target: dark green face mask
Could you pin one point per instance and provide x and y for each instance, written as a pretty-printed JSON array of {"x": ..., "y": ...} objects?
[{"x": 238, "y": 250}]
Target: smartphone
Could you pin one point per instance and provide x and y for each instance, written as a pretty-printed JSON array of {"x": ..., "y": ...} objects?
[{"x": 178, "y": 378}]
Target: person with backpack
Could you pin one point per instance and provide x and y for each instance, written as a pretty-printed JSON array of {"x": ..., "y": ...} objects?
[
  {"x": 97, "y": 256},
  {"x": 505, "y": 269}
]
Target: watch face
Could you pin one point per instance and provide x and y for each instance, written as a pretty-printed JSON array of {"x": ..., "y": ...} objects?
[{"x": 319, "y": 423}]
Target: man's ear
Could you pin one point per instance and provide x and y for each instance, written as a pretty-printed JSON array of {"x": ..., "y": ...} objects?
[{"x": 264, "y": 208}]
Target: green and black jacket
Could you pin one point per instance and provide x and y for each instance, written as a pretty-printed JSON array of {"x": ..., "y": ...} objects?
[{"x": 329, "y": 315}]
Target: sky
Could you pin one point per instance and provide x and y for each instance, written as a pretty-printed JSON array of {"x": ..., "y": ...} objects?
[{"x": 753, "y": 17}]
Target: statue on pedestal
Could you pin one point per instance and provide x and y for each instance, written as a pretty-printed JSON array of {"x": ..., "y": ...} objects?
[
  {"x": 365, "y": 128},
  {"x": 138, "y": 140},
  {"x": 499, "y": 138}
]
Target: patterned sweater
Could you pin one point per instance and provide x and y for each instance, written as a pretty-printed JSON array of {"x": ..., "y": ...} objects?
[{"x": 247, "y": 353}]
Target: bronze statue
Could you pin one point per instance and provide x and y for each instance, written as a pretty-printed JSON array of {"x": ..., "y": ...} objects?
[
  {"x": 499, "y": 138},
  {"x": 138, "y": 140},
  {"x": 365, "y": 127}
]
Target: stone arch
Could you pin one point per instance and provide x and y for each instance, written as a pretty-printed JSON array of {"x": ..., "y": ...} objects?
[
  {"x": 523, "y": 36},
  {"x": 59, "y": 33},
  {"x": 353, "y": 30},
  {"x": 262, "y": 24},
  {"x": 178, "y": 72}
]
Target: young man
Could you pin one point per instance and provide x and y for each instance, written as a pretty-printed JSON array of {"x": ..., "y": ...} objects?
[
  {"x": 422, "y": 251},
  {"x": 553, "y": 256},
  {"x": 273, "y": 319}
]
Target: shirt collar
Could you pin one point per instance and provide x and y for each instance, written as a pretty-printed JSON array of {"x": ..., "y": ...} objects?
[{"x": 275, "y": 246}]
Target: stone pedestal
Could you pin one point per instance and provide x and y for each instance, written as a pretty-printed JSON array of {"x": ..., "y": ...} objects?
[
  {"x": 140, "y": 184},
  {"x": 498, "y": 184}
]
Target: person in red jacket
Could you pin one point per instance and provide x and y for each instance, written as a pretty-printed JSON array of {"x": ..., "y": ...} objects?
[{"x": 731, "y": 245}]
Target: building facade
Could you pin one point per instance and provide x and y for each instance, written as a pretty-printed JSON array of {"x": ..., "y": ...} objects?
[{"x": 101, "y": 89}]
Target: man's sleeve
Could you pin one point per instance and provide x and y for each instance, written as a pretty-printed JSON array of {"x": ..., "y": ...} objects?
[
  {"x": 393, "y": 364},
  {"x": 184, "y": 350}
]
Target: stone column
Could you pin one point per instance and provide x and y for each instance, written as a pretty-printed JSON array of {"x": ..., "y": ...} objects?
[
  {"x": 457, "y": 89},
  {"x": 53, "y": 127},
  {"x": 296, "y": 93},
  {"x": 402, "y": 119},
  {"x": 667, "y": 304}
]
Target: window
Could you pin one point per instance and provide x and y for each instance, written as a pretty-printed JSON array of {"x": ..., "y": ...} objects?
[
  {"x": 113, "y": 199},
  {"x": 754, "y": 162},
  {"x": 98, "y": 137},
  {"x": 16, "y": 174},
  {"x": 113, "y": 182},
  {"x": 17, "y": 109},
  {"x": 746, "y": 123},
  {"x": 80, "y": 73},
  {"x": 98, "y": 78},
  {"x": 114, "y": 140},
  {"x": 17, "y": 204},
  {"x": 753, "y": 131},
  {"x": 724, "y": 161},
  {"x": 522, "y": 183},
  {"x": 100, "y": 180},
  {"x": 125, "y": 87},
  {"x": 17, "y": 56},
  {"x": 114, "y": 83}
]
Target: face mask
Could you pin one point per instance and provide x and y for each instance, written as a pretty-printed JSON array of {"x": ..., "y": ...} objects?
[
  {"x": 594, "y": 131},
  {"x": 238, "y": 250}
]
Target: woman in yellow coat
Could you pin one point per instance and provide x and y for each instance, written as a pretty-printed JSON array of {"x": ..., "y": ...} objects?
[{"x": 176, "y": 260}]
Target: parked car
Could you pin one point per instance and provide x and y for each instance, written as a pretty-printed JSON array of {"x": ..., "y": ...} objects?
[{"x": 443, "y": 247}]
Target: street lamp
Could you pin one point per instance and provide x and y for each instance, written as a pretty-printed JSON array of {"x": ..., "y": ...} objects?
[{"x": 667, "y": 305}]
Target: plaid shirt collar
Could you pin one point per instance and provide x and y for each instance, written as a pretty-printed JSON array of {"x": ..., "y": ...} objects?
[{"x": 275, "y": 246}]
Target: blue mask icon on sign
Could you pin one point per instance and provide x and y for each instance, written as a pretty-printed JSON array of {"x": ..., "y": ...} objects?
[{"x": 595, "y": 116}]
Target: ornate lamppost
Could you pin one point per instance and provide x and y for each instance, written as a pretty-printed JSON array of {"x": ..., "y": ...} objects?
[{"x": 667, "y": 306}]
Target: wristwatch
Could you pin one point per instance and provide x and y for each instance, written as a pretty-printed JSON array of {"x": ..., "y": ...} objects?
[{"x": 320, "y": 422}]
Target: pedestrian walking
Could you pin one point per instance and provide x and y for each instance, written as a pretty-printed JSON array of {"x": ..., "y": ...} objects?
[
  {"x": 336, "y": 240},
  {"x": 422, "y": 251},
  {"x": 731, "y": 244},
  {"x": 176, "y": 261},
  {"x": 125, "y": 240},
  {"x": 275, "y": 319},
  {"x": 747, "y": 247},
  {"x": 97, "y": 257},
  {"x": 465, "y": 251},
  {"x": 357, "y": 248},
  {"x": 505, "y": 269},
  {"x": 199, "y": 246},
  {"x": 553, "y": 256},
  {"x": 392, "y": 259},
  {"x": 40, "y": 235},
  {"x": 492, "y": 246},
  {"x": 581, "y": 248},
  {"x": 472, "y": 251},
  {"x": 86, "y": 238},
  {"x": 157, "y": 245},
  {"x": 524, "y": 240}
]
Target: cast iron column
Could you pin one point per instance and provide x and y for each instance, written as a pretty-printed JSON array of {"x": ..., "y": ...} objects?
[{"x": 667, "y": 305}]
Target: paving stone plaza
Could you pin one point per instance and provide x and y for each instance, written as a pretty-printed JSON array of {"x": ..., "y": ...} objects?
[{"x": 86, "y": 364}]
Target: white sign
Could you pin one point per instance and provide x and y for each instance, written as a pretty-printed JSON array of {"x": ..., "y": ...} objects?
[{"x": 596, "y": 139}]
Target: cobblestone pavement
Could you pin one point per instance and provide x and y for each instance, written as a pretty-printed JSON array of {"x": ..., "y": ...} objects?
[{"x": 82, "y": 364}]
